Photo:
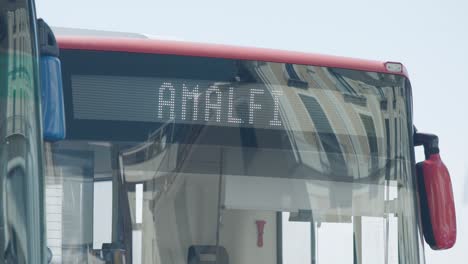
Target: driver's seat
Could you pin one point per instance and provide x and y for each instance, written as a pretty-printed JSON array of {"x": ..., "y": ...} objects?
[{"x": 207, "y": 255}]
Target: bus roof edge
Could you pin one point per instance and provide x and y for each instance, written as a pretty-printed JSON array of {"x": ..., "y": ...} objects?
[{"x": 183, "y": 48}]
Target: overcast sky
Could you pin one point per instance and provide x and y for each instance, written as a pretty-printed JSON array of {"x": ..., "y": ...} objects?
[{"x": 429, "y": 37}]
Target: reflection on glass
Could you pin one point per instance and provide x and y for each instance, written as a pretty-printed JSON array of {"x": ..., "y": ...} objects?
[
  {"x": 198, "y": 158},
  {"x": 22, "y": 239}
]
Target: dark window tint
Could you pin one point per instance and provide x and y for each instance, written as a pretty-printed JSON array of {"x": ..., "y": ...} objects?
[
  {"x": 327, "y": 136},
  {"x": 371, "y": 139}
]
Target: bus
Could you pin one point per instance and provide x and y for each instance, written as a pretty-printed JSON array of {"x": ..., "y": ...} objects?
[{"x": 160, "y": 151}]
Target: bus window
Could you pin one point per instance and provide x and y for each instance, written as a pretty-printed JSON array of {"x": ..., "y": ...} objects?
[
  {"x": 21, "y": 178},
  {"x": 212, "y": 160}
]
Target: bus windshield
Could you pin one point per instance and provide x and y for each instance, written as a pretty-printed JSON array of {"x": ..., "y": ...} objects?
[{"x": 175, "y": 159}]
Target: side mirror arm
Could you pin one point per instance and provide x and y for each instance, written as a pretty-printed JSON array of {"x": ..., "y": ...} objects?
[{"x": 430, "y": 142}]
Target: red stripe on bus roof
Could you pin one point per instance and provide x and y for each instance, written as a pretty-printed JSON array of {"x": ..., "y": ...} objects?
[{"x": 152, "y": 46}]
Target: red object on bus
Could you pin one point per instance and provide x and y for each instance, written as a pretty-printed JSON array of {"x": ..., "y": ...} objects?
[
  {"x": 437, "y": 203},
  {"x": 154, "y": 46},
  {"x": 260, "y": 228}
]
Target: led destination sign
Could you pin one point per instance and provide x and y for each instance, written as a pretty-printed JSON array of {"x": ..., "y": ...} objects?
[{"x": 185, "y": 101}]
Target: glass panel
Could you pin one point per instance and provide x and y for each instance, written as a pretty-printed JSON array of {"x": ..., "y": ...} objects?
[
  {"x": 217, "y": 161},
  {"x": 22, "y": 239},
  {"x": 297, "y": 241},
  {"x": 102, "y": 214},
  {"x": 333, "y": 237}
]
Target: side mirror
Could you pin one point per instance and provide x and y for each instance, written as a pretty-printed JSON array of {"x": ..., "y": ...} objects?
[
  {"x": 53, "y": 113},
  {"x": 435, "y": 195}
]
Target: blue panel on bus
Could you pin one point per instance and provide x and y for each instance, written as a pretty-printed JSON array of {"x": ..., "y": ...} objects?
[{"x": 53, "y": 113}]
